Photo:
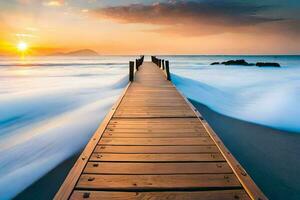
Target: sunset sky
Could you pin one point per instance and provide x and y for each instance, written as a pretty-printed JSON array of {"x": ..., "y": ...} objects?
[{"x": 146, "y": 27}]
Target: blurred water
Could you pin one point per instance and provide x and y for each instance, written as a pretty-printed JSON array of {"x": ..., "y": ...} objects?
[
  {"x": 267, "y": 96},
  {"x": 49, "y": 108}
]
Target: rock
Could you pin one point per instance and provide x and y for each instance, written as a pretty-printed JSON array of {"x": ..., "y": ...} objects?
[
  {"x": 244, "y": 63},
  {"x": 237, "y": 62},
  {"x": 267, "y": 64}
]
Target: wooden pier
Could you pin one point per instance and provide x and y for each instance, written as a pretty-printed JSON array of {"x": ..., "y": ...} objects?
[{"x": 153, "y": 144}]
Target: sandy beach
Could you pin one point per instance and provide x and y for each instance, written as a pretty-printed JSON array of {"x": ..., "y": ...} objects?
[{"x": 47, "y": 186}]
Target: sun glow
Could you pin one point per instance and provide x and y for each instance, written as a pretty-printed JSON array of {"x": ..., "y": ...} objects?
[{"x": 22, "y": 46}]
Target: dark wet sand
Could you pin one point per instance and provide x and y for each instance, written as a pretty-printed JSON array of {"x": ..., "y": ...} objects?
[
  {"x": 270, "y": 156},
  {"x": 47, "y": 186}
]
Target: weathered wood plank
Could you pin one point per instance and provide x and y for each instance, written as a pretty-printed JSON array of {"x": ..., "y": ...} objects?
[
  {"x": 155, "y": 130},
  {"x": 114, "y": 157},
  {"x": 156, "y": 141},
  {"x": 157, "y": 168},
  {"x": 157, "y": 182},
  {"x": 152, "y": 135},
  {"x": 157, "y": 149},
  {"x": 155, "y": 121},
  {"x": 192, "y": 195},
  {"x": 162, "y": 120}
]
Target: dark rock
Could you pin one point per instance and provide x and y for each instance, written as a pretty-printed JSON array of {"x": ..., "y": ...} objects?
[
  {"x": 267, "y": 64},
  {"x": 237, "y": 62},
  {"x": 215, "y": 63}
]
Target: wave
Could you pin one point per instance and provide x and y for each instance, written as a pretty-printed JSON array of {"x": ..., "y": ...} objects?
[
  {"x": 270, "y": 103},
  {"x": 46, "y": 120}
]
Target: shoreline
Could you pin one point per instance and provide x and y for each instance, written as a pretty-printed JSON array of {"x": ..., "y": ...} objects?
[
  {"x": 251, "y": 144},
  {"x": 270, "y": 156},
  {"x": 46, "y": 187}
]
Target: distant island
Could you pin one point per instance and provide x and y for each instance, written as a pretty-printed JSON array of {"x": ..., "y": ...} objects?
[{"x": 81, "y": 52}]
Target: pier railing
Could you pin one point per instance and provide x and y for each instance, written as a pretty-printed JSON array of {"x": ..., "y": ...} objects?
[
  {"x": 137, "y": 64},
  {"x": 163, "y": 64}
]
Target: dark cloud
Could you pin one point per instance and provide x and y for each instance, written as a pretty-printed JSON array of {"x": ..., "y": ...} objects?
[{"x": 206, "y": 13}]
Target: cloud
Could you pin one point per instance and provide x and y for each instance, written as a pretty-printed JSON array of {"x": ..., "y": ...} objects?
[
  {"x": 25, "y": 35},
  {"x": 212, "y": 15},
  {"x": 54, "y": 3}
]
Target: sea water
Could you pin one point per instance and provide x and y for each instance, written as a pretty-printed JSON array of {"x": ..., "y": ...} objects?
[
  {"x": 50, "y": 106},
  {"x": 268, "y": 96},
  {"x": 259, "y": 114}
]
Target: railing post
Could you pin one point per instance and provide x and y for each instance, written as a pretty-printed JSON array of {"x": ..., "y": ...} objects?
[
  {"x": 159, "y": 63},
  {"x": 131, "y": 70},
  {"x": 163, "y": 64},
  {"x": 168, "y": 71},
  {"x": 137, "y": 64},
  {"x": 142, "y": 59}
]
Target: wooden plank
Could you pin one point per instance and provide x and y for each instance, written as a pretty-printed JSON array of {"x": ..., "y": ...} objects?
[
  {"x": 162, "y": 120},
  {"x": 161, "y": 127},
  {"x": 156, "y": 141},
  {"x": 191, "y": 195},
  {"x": 147, "y": 121},
  {"x": 157, "y": 168},
  {"x": 155, "y": 130},
  {"x": 152, "y": 109},
  {"x": 114, "y": 157},
  {"x": 170, "y": 111},
  {"x": 156, "y": 149},
  {"x": 152, "y": 135},
  {"x": 157, "y": 182},
  {"x": 152, "y": 104},
  {"x": 157, "y": 115},
  {"x": 154, "y": 99}
]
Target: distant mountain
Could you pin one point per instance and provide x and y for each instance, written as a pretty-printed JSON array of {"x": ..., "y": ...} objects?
[{"x": 81, "y": 52}]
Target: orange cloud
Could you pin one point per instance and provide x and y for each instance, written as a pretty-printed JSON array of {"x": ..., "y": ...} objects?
[{"x": 54, "y": 3}]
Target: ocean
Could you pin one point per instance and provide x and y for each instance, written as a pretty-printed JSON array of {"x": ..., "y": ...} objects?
[{"x": 50, "y": 107}]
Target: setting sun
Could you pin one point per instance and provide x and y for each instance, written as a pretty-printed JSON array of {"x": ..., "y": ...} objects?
[{"x": 22, "y": 46}]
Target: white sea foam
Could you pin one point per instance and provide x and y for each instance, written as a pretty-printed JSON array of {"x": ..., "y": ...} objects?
[
  {"x": 48, "y": 113},
  {"x": 266, "y": 96}
]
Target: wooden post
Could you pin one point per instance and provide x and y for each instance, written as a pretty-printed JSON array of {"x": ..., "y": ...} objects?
[
  {"x": 137, "y": 64},
  {"x": 163, "y": 64},
  {"x": 131, "y": 70},
  {"x": 142, "y": 59},
  {"x": 159, "y": 63},
  {"x": 168, "y": 71}
]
